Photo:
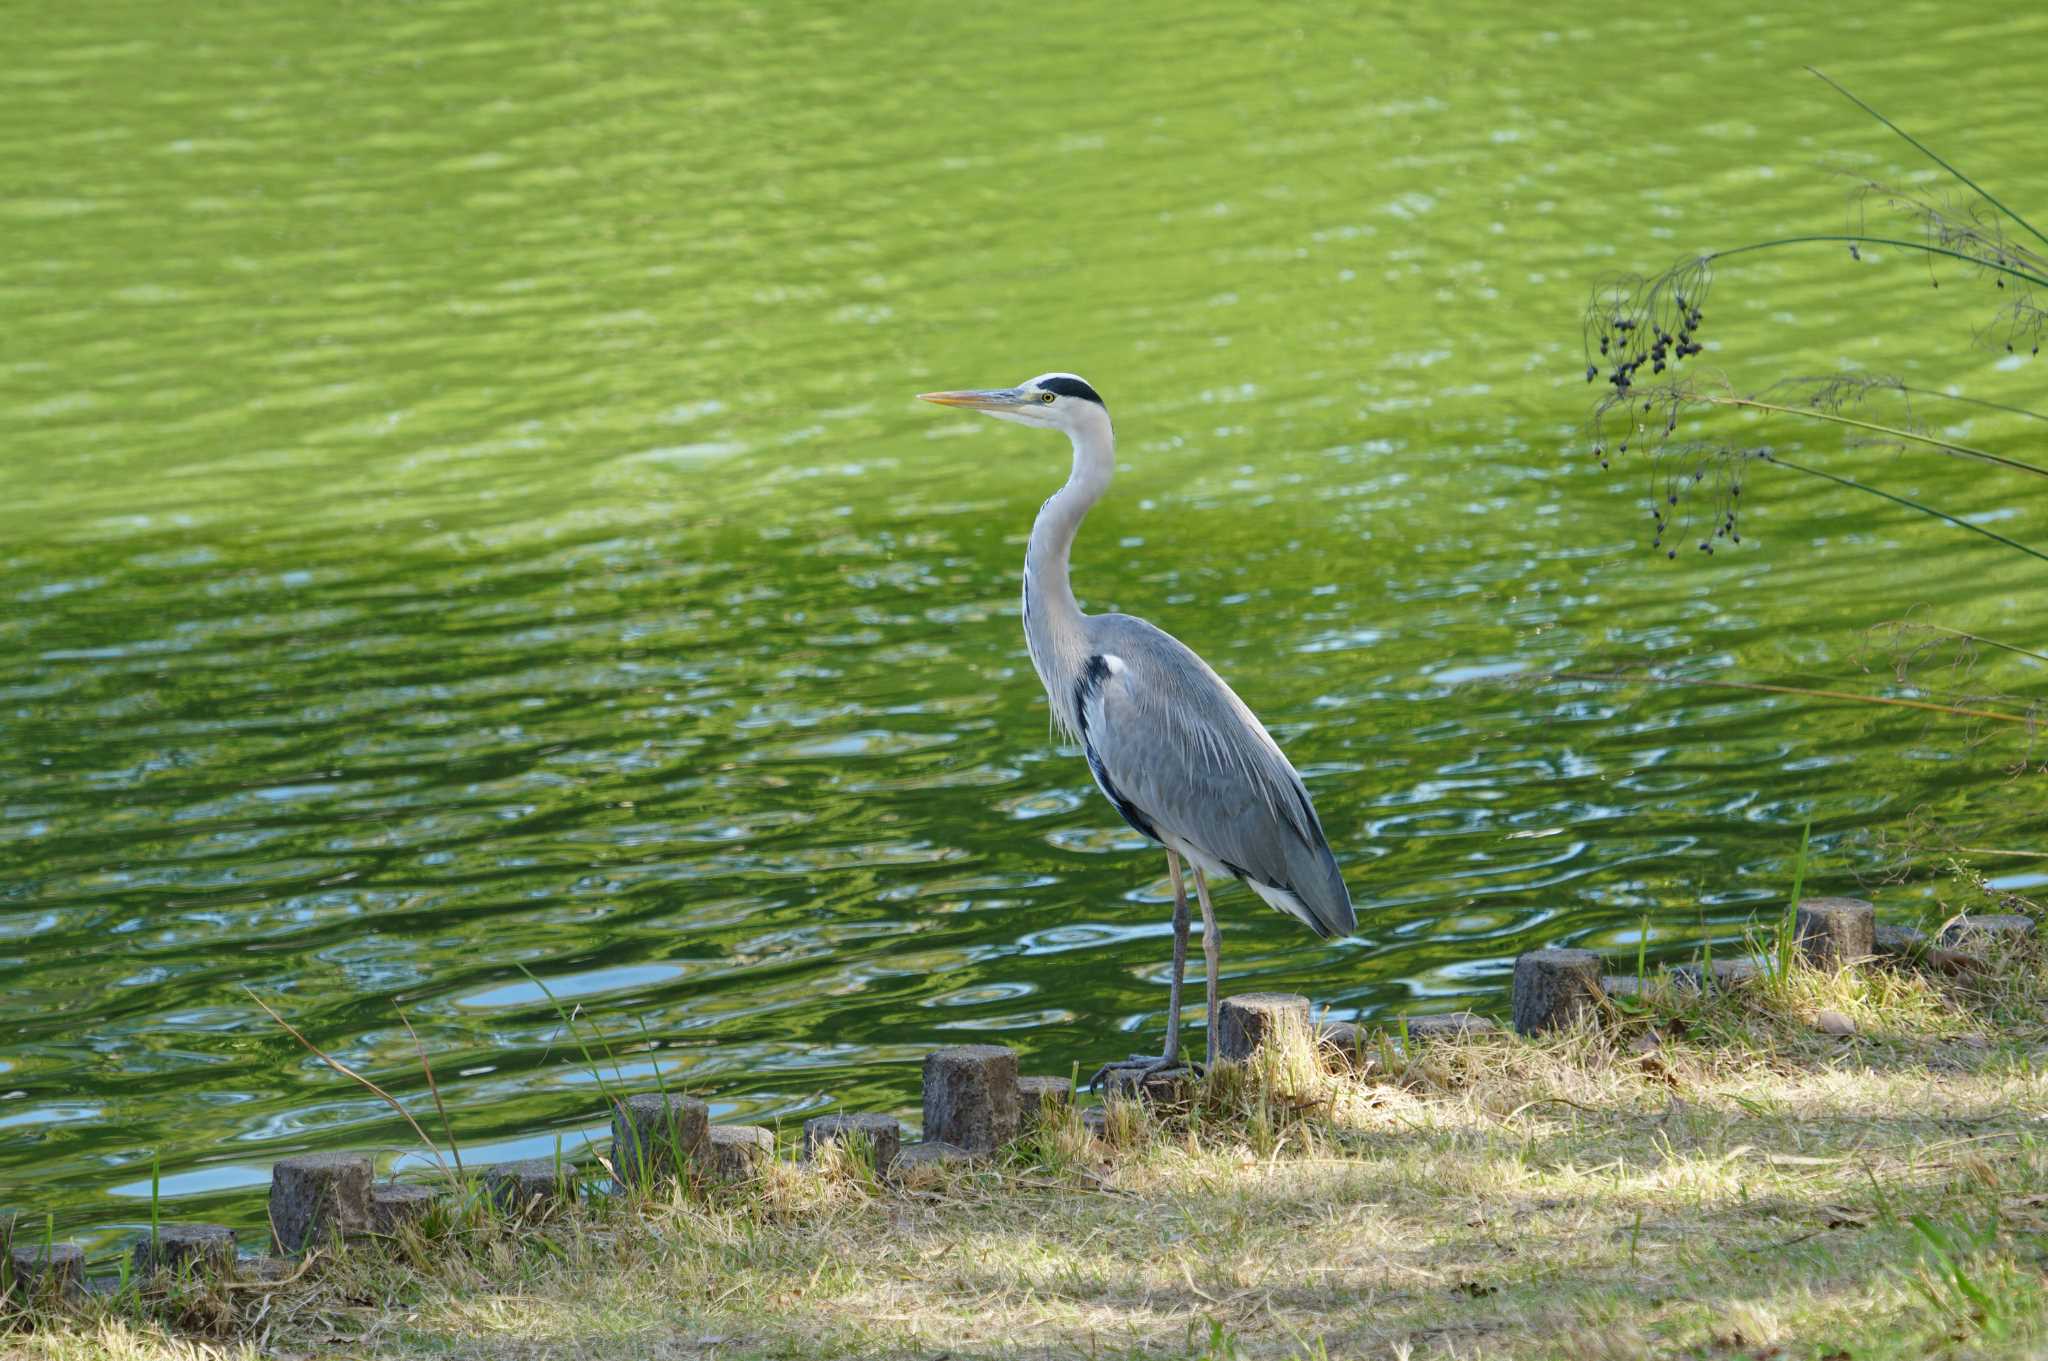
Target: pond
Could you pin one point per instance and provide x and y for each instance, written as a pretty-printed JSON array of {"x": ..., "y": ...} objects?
[{"x": 468, "y": 528}]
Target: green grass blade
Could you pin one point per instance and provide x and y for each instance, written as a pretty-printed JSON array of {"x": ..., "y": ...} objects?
[
  {"x": 569, "y": 1024},
  {"x": 1788, "y": 928}
]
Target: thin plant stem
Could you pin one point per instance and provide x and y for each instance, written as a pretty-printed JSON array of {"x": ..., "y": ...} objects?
[
  {"x": 433, "y": 1087},
  {"x": 1889, "y": 431},
  {"x": 338, "y": 1066},
  {"x": 1911, "y": 505},
  {"x": 569, "y": 1023},
  {"x": 1988, "y": 405},
  {"x": 1788, "y": 928},
  {"x": 1929, "y": 153},
  {"x": 1952, "y": 710},
  {"x": 1862, "y": 239},
  {"x": 1971, "y": 638}
]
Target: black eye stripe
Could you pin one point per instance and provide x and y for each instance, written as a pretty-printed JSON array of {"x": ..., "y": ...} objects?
[{"x": 1067, "y": 386}]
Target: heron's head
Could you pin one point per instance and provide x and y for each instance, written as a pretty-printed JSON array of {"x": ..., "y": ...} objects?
[{"x": 1056, "y": 401}]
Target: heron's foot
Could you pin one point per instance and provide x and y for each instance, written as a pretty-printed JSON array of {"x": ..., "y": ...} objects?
[{"x": 1141, "y": 1074}]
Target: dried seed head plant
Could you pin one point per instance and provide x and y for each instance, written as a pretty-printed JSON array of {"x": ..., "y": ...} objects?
[
  {"x": 1639, "y": 335},
  {"x": 1659, "y": 410}
]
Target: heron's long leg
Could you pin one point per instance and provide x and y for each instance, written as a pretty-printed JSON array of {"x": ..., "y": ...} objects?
[
  {"x": 1209, "y": 951},
  {"x": 1180, "y": 956}
]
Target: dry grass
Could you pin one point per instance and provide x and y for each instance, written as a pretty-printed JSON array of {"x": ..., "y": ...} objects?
[{"x": 1692, "y": 1177}]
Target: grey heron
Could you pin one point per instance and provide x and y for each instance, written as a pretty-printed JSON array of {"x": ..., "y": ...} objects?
[{"x": 1172, "y": 747}]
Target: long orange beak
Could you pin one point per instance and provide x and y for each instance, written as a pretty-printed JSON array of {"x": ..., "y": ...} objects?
[{"x": 975, "y": 399}]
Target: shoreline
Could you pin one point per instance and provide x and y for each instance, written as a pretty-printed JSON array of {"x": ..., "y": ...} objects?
[{"x": 1824, "y": 1158}]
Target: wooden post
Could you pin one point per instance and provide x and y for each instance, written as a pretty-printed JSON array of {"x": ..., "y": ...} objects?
[
  {"x": 318, "y": 1199},
  {"x": 1039, "y": 1098},
  {"x": 1250, "y": 1020},
  {"x": 740, "y": 1152},
  {"x": 1448, "y": 1025},
  {"x": 530, "y": 1184},
  {"x": 654, "y": 1135},
  {"x": 882, "y": 1132},
  {"x": 39, "y": 1270},
  {"x": 1349, "y": 1043},
  {"x": 1983, "y": 928},
  {"x": 970, "y": 1097},
  {"x": 1356, "y": 1044},
  {"x": 926, "y": 1153},
  {"x": 204, "y": 1250},
  {"x": 1834, "y": 933},
  {"x": 1555, "y": 988},
  {"x": 1728, "y": 973},
  {"x": 393, "y": 1206}
]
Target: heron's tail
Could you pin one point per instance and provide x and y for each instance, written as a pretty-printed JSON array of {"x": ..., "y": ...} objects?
[{"x": 1314, "y": 895}]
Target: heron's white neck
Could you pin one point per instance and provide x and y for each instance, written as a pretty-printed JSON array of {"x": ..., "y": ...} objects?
[{"x": 1053, "y": 622}]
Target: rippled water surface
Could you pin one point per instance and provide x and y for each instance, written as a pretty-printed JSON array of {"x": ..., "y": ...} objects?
[{"x": 465, "y": 517}]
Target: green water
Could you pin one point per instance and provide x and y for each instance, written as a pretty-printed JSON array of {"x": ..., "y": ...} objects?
[{"x": 464, "y": 509}]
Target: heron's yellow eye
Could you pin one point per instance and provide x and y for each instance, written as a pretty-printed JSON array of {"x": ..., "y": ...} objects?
[{"x": 1047, "y": 397}]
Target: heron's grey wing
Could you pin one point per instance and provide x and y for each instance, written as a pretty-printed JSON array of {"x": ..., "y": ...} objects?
[{"x": 1186, "y": 762}]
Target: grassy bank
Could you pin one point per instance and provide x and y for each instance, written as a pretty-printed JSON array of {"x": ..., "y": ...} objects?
[{"x": 1695, "y": 1176}]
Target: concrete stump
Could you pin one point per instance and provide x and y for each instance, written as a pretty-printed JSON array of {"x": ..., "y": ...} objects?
[
  {"x": 1247, "y": 1021},
  {"x": 740, "y": 1152},
  {"x": 1448, "y": 1025},
  {"x": 927, "y": 1153},
  {"x": 1728, "y": 973},
  {"x": 1095, "y": 1120},
  {"x": 1980, "y": 928},
  {"x": 1904, "y": 942},
  {"x": 530, "y": 1184},
  {"x": 58, "y": 1268},
  {"x": 269, "y": 1270},
  {"x": 1834, "y": 933},
  {"x": 1042, "y": 1098},
  {"x": 1621, "y": 985},
  {"x": 653, "y": 1135},
  {"x": 970, "y": 1097},
  {"x": 204, "y": 1250},
  {"x": 393, "y": 1206},
  {"x": 882, "y": 1132},
  {"x": 1350, "y": 1044},
  {"x": 318, "y": 1199},
  {"x": 1911, "y": 946},
  {"x": 1357, "y": 1043},
  {"x": 1554, "y": 988},
  {"x": 1166, "y": 1087}
]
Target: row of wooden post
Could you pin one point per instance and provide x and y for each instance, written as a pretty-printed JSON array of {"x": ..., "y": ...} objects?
[
  {"x": 975, "y": 1101},
  {"x": 1557, "y": 987}
]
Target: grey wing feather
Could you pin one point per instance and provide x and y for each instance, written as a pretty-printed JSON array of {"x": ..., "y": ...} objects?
[{"x": 1185, "y": 760}]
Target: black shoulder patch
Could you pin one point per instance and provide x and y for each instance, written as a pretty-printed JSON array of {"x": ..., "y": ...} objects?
[
  {"x": 1093, "y": 673},
  {"x": 1072, "y": 387},
  {"x": 1130, "y": 812}
]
